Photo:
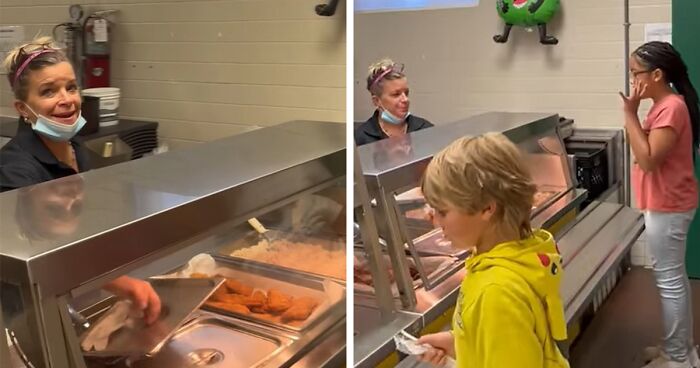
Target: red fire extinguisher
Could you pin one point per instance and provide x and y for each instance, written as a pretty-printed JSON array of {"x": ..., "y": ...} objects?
[{"x": 96, "y": 50}]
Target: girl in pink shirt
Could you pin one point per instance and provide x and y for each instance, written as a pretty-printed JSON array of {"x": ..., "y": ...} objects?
[{"x": 665, "y": 188}]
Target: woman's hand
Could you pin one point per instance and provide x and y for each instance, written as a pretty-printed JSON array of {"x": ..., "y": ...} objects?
[
  {"x": 443, "y": 345},
  {"x": 631, "y": 103},
  {"x": 141, "y": 294}
]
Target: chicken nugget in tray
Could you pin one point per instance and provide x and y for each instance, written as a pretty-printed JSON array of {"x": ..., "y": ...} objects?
[
  {"x": 256, "y": 300},
  {"x": 301, "y": 309},
  {"x": 275, "y": 297},
  {"x": 236, "y": 287},
  {"x": 277, "y": 301},
  {"x": 234, "y": 308}
]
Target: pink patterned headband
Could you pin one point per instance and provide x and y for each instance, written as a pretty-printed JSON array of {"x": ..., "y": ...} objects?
[
  {"x": 398, "y": 68},
  {"x": 26, "y": 62}
]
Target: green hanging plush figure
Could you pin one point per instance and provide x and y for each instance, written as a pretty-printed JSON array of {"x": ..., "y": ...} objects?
[{"x": 527, "y": 13}]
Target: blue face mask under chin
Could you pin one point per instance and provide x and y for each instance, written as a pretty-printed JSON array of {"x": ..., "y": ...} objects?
[
  {"x": 57, "y": 131},
  {"x": 391, "y": 119}
]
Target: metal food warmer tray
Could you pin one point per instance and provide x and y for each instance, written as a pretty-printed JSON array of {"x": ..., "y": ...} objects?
[{"x": 146, "y": 217}]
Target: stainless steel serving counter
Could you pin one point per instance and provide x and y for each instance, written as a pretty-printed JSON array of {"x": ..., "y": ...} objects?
[
  {"x": 550, "y": 216},
  {"x": 374, "y": 338},
  {"x": 154, "y": 214},
  {"x": 328, "y": 351},
  {"x": 393, "y": 169},
  {"x": 595, "y": 243},
  {"x": 593, "y": 249}
]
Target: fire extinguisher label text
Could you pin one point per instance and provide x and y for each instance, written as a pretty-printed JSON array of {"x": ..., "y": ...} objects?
[{"x": 100, "y": 30}]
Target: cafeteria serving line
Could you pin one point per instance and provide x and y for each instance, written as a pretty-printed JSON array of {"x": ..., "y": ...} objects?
[
  {"x": 593, "y": 229},
  {"x": 231, "y": 296},
  {"x": 560, "y": 103},
  {"x": 173, "y": 184}
]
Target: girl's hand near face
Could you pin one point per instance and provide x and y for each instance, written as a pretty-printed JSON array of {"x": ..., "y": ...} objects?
[{"x": 631, "y": 103}]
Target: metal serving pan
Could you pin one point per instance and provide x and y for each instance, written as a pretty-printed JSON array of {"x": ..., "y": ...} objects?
[
  {"x": 214, "y": 341},
  {"x": 329, "y": 294},
  {"x": 252, "y": 248},
  {"x": 179, "y": 299}
]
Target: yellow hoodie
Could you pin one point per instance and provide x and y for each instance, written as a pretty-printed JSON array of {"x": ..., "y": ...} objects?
[{"x": 509, "y": 312}]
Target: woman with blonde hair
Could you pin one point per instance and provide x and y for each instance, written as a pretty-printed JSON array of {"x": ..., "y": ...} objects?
[
  {"x": 47, "y": 99},
  {"x": 509, "y": 312},
  {"x": 388, "y": 86}
]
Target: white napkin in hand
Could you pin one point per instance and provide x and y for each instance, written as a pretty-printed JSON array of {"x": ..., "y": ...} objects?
[
  {"x": 408, "y": 344},
  {"x": 114, "y": 319}
]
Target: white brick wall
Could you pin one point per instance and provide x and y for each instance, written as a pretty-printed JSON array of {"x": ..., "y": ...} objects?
[
  {"x": 456, "y": 70},
  {"x": 205, "y": 69}
]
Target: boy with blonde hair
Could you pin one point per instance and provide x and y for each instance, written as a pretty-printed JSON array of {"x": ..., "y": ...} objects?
[{"x": 509, "y": 312}]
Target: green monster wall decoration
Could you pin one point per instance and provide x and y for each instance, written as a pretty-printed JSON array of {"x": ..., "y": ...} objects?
[{"x": 527, "y": 13}]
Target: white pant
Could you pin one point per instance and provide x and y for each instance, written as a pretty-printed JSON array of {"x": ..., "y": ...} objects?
[{"x": 666, "y": 239}]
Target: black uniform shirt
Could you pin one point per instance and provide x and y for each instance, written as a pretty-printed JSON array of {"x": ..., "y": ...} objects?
[
  {"x": 370, "y": 131},
  {"x": 25, "y": 160}
]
